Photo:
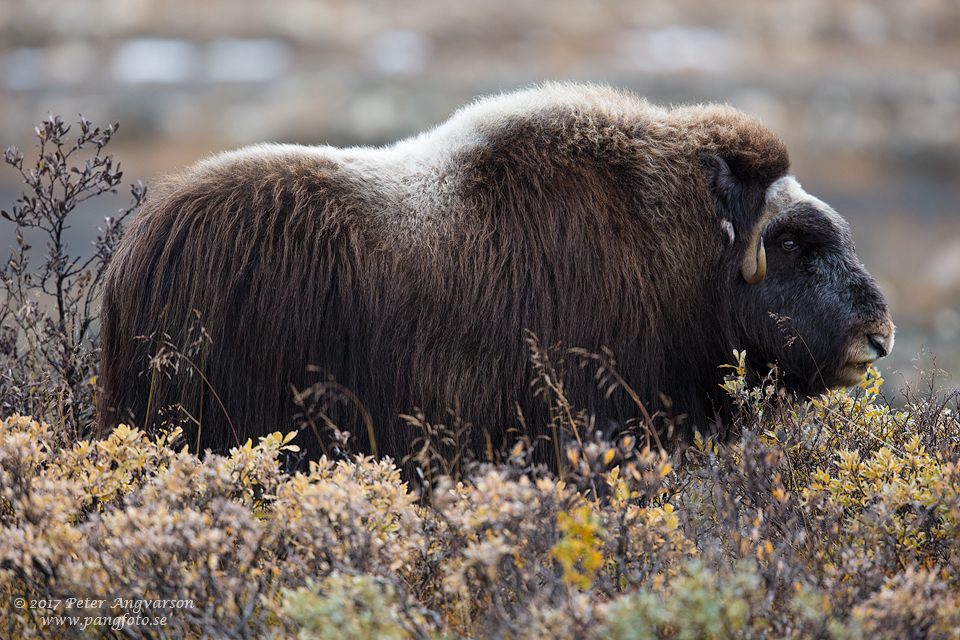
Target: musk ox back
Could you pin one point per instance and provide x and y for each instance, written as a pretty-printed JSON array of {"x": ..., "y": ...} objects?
[{"x": 410, "y": 273}]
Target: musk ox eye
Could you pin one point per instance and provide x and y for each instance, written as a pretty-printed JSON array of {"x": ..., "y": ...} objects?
[{"x": 789, "y": 245}]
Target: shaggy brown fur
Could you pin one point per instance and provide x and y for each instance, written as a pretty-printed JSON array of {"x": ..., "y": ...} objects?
[{"x": 410, "y": 273}]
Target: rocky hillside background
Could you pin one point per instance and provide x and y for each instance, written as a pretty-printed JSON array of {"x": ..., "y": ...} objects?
[{"x": 866, "y": 95}]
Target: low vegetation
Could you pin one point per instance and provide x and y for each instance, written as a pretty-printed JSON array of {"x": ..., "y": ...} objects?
[{"x": 836, "y": 518}]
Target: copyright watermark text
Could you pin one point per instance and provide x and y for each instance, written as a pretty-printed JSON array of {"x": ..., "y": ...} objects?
[{"x": 130, "y": 611}]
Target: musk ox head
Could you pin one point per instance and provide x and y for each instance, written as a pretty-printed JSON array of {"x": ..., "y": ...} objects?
[{"x": 803, "y": 299}]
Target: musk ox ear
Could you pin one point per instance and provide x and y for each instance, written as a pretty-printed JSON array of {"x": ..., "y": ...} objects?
[
  {"x": 739, "y": 210},
  {"x": 726, "y": 188}
]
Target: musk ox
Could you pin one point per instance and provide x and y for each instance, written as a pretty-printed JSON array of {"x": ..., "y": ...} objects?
[{"x": 410, "y": 273}]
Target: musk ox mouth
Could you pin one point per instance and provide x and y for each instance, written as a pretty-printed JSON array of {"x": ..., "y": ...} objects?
[
  {"x": 866, "y": 348},
  {"x": 851, "y": 374}
]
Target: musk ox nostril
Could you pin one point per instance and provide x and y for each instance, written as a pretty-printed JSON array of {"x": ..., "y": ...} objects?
[{"x": 879, "y": 344}]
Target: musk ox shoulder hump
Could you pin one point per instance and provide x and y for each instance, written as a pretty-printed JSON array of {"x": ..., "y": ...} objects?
[{"x": 575, "y": 117}]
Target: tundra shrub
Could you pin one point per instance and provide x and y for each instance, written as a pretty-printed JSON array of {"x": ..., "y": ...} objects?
[
  {"x": 834, "y": 519},
  {"x": 49, "y": 354},
  {"x": 129, "y": 520}
]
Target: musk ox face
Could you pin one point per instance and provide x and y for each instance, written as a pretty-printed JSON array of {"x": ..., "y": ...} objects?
[{"x": 807, "y": 302}]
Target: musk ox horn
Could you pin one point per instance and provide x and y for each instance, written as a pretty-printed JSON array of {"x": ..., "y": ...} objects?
[{"x": 754, "y": 265}]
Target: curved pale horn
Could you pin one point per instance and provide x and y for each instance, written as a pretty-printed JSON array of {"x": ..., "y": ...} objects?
[{"x": 754, "y": 265}]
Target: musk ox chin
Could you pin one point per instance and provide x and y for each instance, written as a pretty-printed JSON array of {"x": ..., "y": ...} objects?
[{"x": 411, "y": 273}]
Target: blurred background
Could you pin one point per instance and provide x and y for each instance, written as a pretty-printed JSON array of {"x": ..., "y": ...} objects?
[{"x": 865, "y": 94}]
